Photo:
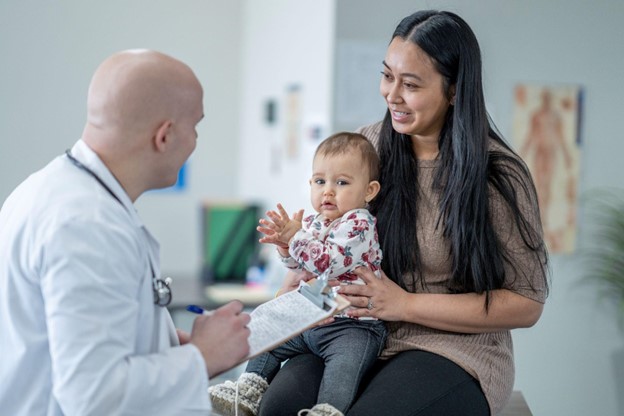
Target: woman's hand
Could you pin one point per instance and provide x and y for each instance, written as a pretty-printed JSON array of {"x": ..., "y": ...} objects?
[
  {"x": 291, "y": 282},
  {"x": 380, "y": 298},
  {"x": 463, "y": 312},
  {"x": 292, "y": 279}
]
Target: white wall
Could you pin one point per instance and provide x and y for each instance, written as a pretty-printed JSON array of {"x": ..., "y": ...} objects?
[
  {"x": 284, "y": 43},
  {"x": 565, "y": 364},
  {"x": 49, "y": 50}
]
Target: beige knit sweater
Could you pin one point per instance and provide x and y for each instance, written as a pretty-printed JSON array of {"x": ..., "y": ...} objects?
[{"x": 489, "y": 356}]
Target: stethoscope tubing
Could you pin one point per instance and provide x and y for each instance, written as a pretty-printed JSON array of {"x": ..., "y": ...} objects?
[{"x": 161, "y": 288}]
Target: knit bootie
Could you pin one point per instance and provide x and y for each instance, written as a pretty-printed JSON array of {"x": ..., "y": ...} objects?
[
  {"x": 322, "y": 409},
  {"x": 251, "y": 387}
]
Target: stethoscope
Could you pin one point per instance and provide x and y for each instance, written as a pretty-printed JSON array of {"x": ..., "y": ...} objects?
[{"x": 161, "y": 287}]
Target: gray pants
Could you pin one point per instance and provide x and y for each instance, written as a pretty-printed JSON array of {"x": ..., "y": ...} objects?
[{"x": 349, "y": 348}]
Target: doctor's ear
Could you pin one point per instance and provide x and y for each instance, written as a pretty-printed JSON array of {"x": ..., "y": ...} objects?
[{"x": 161, "y": 138}]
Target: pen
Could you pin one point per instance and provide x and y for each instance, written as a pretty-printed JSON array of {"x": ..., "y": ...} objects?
[{"x": 198, "y": 310}]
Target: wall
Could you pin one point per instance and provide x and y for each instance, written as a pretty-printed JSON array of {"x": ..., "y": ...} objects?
[
  {"x": 49, "y": 51},
  {"x": 285, "y": 44},
  {"x": 567, "y": 363}
]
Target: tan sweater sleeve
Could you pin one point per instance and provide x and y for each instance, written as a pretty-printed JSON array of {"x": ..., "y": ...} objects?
[{"x": 525, "y": 271}]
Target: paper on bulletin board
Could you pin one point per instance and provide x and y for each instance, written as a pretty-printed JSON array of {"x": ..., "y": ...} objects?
[{"x": 293, "y": 120}]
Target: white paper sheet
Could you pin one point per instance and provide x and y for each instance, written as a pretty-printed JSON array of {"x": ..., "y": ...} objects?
[{"x": 284, "y": 317}]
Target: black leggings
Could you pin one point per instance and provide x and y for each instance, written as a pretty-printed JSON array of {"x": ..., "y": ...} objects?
[{"x": 411, "y": 383}]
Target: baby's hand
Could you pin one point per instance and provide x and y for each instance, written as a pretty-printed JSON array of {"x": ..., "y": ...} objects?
[{"x": 280, "y": 228}]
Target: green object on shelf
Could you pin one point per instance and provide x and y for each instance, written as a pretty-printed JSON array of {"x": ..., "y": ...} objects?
[{"x": 230, "y": 241}]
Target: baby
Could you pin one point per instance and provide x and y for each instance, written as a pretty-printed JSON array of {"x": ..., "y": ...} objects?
[{"x": 339, "y": 238}]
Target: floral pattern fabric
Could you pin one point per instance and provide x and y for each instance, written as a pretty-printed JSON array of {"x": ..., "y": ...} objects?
[{"x": 336, "y": 247}]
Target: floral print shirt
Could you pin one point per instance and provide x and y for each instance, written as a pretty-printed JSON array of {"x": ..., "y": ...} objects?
[{"x": 337, "y": 247}]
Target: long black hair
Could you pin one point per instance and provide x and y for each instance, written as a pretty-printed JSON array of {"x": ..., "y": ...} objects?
[{"x": 468, "y": 169}]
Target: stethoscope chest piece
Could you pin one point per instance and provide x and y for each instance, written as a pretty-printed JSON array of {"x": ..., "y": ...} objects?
[{"x": 162, "y": 291}]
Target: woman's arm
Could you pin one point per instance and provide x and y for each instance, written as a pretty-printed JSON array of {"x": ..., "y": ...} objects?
[
  {"x": 292, "y": 279},
  {"x": 463, "y": 313}
]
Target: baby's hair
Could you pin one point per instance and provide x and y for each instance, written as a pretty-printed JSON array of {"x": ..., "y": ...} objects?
[{"x": 344, "y": 142}]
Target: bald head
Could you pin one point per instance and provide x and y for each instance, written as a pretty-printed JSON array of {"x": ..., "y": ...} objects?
[
  {"x": 139, "y": 103},
  {"x": 134, "y": 89}
]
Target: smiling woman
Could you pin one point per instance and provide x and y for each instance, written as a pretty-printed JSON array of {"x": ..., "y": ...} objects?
[
  {"x": 416, "y": 94},
  {"x": 464, "y": 258}
]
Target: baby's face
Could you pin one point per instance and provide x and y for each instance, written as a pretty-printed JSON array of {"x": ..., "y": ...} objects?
[{"x": 339, "y": 184}]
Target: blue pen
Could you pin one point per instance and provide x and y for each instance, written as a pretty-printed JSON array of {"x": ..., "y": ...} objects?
[{"x": 198, "y": 310}]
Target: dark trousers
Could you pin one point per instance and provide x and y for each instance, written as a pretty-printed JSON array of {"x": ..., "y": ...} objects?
[
  {"x": 348, "y": 348},
  {"x": 409, "y": 384}
]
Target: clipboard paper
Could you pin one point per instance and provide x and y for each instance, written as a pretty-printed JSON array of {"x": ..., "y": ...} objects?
[{"x": 280, "y": 319}]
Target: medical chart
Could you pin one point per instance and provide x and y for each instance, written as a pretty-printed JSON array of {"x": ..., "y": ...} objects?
[{"x": 285, "y": 317}]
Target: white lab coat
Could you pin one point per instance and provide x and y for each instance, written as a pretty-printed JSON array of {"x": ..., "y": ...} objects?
[{"x": 79, "y": 331}]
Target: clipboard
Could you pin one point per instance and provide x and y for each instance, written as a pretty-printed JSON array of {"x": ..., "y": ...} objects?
[{"x": 288, "y": 315}]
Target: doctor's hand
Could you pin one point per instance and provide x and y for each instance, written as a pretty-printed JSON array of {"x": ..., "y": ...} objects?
[
  {"x": 183, "y": 336},
  {"x": 222, "y": 337}
]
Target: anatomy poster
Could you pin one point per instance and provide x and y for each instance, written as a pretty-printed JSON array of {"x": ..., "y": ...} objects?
[{"x": 546, "y": 135}]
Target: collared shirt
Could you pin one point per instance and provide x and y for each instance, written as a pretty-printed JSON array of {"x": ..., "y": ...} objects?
[{"x": 79, "y": 331}]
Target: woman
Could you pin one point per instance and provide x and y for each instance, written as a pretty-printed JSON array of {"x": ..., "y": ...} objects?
[{"x": 458, "y": 222}]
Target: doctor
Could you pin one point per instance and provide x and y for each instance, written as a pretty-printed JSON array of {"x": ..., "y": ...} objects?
[{"x": 83, "y": 328}]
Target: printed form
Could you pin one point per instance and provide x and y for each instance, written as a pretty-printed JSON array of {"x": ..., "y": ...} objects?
[{"x": 285, "y": 317}]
